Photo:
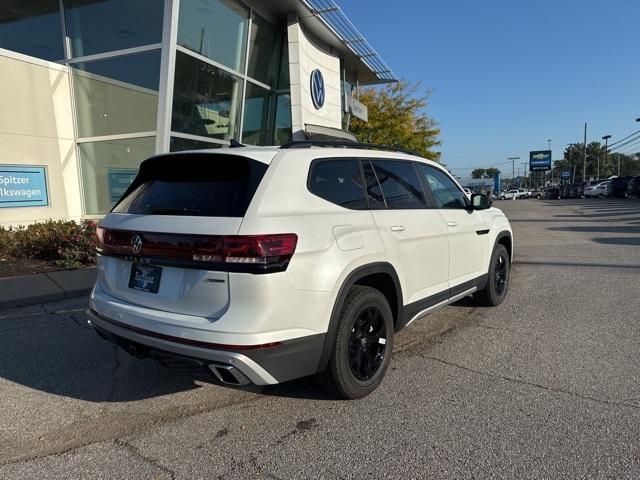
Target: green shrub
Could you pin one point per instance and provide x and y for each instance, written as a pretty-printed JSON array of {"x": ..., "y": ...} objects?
[{"x": 66, "y": 243}]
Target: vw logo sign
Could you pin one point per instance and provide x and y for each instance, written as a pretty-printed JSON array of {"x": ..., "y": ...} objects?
[
  {"x": 136, "y": 244},
  {"x": 317, "y": 89}
]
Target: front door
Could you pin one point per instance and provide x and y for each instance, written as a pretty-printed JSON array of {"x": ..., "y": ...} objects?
[{"x": 468, "y": 230}]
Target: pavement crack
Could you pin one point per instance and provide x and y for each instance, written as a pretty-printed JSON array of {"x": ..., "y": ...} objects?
[
  {"x": 133, "y": 450},
  {"x": 533, "y": 384}
]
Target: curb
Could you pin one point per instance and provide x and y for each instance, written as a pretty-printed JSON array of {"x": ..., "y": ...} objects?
[{"x": 45, "y": 287}]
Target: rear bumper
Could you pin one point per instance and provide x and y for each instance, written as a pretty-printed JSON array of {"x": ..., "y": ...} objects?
[{"x": 269, "y": 365}]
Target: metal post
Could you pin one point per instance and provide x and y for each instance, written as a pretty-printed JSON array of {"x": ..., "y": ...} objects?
[{"x": 584, "y": 155}]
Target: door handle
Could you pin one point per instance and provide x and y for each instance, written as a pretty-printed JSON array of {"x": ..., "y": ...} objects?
[
  {"x": 452, "y": 224},
  {"x": 397, "y": 228}
]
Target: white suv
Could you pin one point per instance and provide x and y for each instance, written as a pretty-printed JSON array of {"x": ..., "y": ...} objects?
[{"x": 261, "y": 265}]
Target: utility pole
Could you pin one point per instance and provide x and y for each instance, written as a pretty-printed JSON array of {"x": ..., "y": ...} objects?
[
  {"x": 525, "y": 173},
  {"x": 584, "y": 155},
  {"x": 606, "y": 155},
  {"x": 513, "y": 169}
]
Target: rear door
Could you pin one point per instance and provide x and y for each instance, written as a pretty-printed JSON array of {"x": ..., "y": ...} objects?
[
  {"x": 468, "y": 230},
  {"x": 171, "y": 218},
  {"x": 414, "y": 236}
]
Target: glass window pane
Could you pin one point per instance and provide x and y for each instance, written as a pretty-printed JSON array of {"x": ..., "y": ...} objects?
[
  {"x": 374, "y": 192},
  {"x": 339, "y": 182},
  {"x": 216, "y": 29},
  {"x": 117, "y": 95},
  {"x": 32, "y": 28},
  {"x": 103, "y": 26},
  {"x": 445, "y": 192},
  {"x": 283, "y": 127},
  {"x": 177, "y": 144},
  {"x": 108, "y": 168},
  {"x": 400, "y": 184},
  {"x": 264, "y": 51},
  {"x": 206, "y": 100},
  {"x": 256, "y": 116}
]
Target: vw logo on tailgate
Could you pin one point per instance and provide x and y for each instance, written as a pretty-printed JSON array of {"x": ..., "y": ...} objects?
[
  {"x": 136, "y": 244},
  {"x": 317, "y": 89}
]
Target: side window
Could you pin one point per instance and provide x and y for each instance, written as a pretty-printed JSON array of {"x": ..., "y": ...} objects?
[
  {"x": 374, "y": 192},
  {"x": 445, "y": 192},
  {"x": 338, "y": 181},
  {"x": 400, "y": 184}
]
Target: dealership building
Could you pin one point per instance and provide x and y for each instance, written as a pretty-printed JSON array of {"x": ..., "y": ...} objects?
[{"x": 90, "y": 88}]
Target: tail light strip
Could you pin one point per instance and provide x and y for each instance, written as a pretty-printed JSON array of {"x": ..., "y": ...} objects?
[{"x": 245, "y": 253}]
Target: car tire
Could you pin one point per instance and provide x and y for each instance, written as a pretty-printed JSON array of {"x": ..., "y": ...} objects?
[
  {"x": 503, "y": 198},
  {"x": 362, "y": 347},
  {"x": 497, "y": 285}
]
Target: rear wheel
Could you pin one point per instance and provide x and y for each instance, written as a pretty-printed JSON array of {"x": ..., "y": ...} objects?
[
  {"x": 498, "y": 282},
  {"x": 362, "y": 346}
]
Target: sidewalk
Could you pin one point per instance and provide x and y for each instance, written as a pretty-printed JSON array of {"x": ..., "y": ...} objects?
[{"x": 45, "y": 287}]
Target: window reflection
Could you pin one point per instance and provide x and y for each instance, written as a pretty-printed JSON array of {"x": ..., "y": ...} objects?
[
  {"x": 97, "y": 26},
  {"x": 206, "y": 100}
]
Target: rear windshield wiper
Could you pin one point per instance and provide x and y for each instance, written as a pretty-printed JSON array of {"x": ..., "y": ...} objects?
[{"x": 175, "y": 211}]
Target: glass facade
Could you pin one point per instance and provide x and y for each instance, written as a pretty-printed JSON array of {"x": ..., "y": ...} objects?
[
  {"x": 109, "y": 25},
  {"x": 230, "y": 81},
  {"x": 108, "y": 167},
  {"x": 32, "y": 28},
  {"x": 206, "y": 99},
  {"x": 117, "y": 95},
  {"x": 216, "y": 29}
]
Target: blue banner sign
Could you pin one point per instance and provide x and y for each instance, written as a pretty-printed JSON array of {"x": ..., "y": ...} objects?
[
  {"x": 540, "y": 160},
  {"x": 119, "y": 180},
  {"x": 497, "y": 182},
  {"x": 23, "y": 186},
  {"x": 566, "y": 174}
]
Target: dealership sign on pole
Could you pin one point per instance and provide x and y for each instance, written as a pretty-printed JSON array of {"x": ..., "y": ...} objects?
[
  {"x": 565, "y": 174},
  {"x": 540, "y": 161}
]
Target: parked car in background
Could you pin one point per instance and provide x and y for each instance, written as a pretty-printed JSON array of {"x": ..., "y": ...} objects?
[
  {"x": 633, "y": 187},
  {"x": 618, "y": 187},
  {"x": 551, "y": 193},
  {"x": 523, "y": 193},
  {"x": 564, "y": 190},
  {"x": 509, "y": 195},
  {"x": 537, "y": 194},
  {"x": 600, "y": 189}
]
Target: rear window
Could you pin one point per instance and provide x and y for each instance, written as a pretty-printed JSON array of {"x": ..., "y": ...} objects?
[{"x": 206, "y": 185}]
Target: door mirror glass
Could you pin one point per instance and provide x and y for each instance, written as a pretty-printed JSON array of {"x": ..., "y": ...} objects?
[{"x": 480, "y": 201}]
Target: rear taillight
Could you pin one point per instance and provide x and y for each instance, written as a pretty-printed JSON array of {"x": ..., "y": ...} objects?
[{"x": 252, "y": 253}]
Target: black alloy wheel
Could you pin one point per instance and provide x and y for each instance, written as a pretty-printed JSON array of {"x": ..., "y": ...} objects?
[{"x": 367, "y": 343}]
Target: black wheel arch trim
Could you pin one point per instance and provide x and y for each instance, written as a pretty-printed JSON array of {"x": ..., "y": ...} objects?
[
  {"x": 501, "y": 235},
  {"x": 358, "y": 274}
]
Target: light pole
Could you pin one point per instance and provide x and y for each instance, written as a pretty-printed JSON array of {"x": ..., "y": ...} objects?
[
  {"x": 524, "y": 164},
  {"x": 584, "y": 155},
  {"x": 606, "y": 155},
  {"x": 513, "y": 169},
  {"x": 549, "y": 144}
]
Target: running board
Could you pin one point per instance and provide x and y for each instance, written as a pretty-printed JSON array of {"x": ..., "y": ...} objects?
[{"x": 444, "y": 303}]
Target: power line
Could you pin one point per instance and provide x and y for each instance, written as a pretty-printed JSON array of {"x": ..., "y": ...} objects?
[
  {"x": 623, "y": 139},
  {"x": 631, "y": 140}
]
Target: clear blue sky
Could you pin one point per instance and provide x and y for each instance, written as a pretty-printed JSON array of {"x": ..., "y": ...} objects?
[{"x": 507, "y": 75}]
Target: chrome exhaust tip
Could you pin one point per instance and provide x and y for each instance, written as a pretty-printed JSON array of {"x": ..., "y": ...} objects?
[{"x": 228, "y": 374}]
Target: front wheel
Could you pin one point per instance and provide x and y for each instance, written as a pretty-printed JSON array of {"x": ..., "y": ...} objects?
[
  {"x": 362, "y": 346},
  {"x": 498, "y": 282}
]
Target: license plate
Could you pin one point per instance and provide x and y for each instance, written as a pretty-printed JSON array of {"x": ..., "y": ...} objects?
[{"x": 145, "y": 278}]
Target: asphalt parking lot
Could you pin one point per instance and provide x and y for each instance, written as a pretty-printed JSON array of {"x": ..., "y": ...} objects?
[{"x": 545, "y": 386}]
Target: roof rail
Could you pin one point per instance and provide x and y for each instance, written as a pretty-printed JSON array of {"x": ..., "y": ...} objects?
[{"x": 344, "y": 144}]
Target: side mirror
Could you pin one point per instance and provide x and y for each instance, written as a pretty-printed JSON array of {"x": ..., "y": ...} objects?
[{"x": 479, "y": 201}]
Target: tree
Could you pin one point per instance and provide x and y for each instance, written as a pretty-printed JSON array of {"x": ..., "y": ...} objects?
[
  {"x": 490, "y": 172},
  {"x": 478, "y": 173},
  {"x": 397, "y": 118}
]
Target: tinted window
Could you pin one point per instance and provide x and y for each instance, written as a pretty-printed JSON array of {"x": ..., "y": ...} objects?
[
  {"x": 445, "y": 192},
  {"x": 374, "y": 192},
  {"x": 194, "y": 185},
  {"x": 400, "y": 185},
  {"x": 32, "y": 28},
  {"x": 95, "y": 27},
  {"x": 339, "y": 182}
]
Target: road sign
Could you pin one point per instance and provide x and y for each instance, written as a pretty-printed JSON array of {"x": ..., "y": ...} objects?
[
  {"x": 565, "y": 174},
  {"x": 540, "y": 160}
]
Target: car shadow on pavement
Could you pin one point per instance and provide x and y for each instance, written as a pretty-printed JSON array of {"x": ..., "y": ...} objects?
[
  {"x": 618, "y": 240},
  {"x": 60, "y": 354}
]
